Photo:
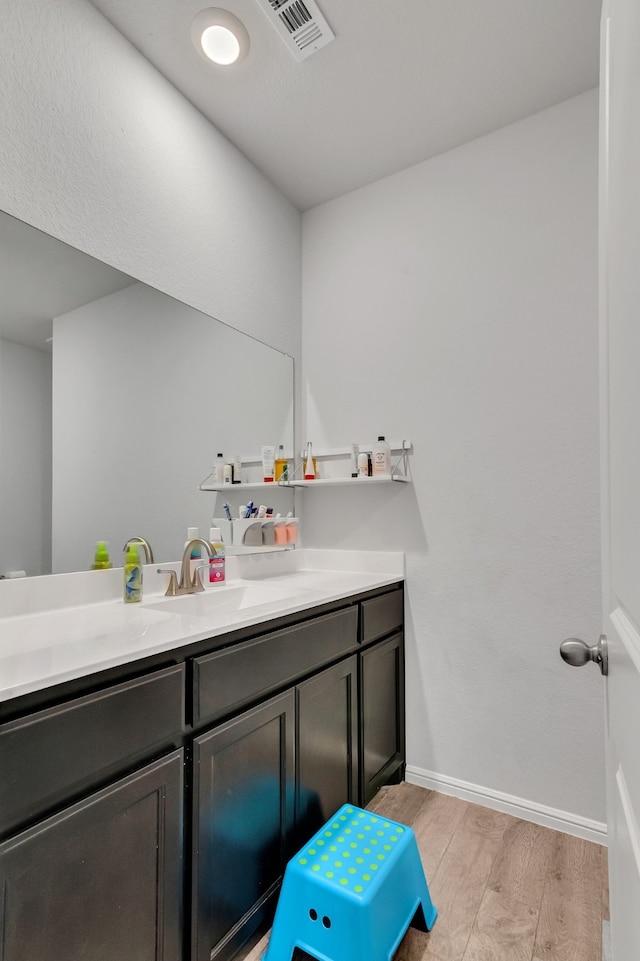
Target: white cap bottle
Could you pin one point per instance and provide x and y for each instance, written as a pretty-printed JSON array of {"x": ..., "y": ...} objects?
[{"x": 381, "y": 457}]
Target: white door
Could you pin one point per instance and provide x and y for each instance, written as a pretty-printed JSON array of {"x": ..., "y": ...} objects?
[{"x": 620, "y": 410}]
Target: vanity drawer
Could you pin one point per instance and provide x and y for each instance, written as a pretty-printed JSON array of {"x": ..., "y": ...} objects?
[
  {"x": 382, "y": 615},
  {"x": 227, "y": 680},
  {"x": 55, "y": 754}
]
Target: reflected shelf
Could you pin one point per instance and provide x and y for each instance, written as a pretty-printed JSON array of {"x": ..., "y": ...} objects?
[{"x": 237, "y": 488}]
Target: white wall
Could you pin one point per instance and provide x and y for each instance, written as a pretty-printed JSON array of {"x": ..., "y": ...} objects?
[
  {"x": 135, "y": 429},
  {"x": 98, "y": 149},
  {"x": 25, "y": 456},
  {"x": 455, "y": 304}
]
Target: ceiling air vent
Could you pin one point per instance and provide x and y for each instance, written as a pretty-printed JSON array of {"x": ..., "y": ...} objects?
[{"x": 300, "y": 24}]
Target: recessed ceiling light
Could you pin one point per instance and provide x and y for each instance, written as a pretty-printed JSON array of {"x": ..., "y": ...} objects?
[{"x": 219, "y": 36}]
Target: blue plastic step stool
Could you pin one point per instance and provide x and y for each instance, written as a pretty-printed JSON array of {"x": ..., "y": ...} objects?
[{"x": 351, "y": 893}]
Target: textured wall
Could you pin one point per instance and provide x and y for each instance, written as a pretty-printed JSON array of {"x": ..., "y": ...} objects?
[
  {"x": 455, "y": 303},
  {"x": 98, "y": 149}
]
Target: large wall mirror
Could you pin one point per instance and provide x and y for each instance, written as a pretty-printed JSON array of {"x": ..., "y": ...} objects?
[{"x": 114, "y": 401}]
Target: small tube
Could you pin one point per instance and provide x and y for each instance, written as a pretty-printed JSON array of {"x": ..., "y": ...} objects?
[{"x": 355, "y": 450}]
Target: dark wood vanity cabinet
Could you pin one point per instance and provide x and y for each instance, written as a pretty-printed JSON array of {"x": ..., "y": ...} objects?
[
  {"x": 327, "y": 743},
  {"x": 382, "y": 726},
  {"x": 101, "y": 879},
  {"x": 91, "y": 856},
  {"x": 243, "y": 822},
  {"x": 153, "y": 818}
]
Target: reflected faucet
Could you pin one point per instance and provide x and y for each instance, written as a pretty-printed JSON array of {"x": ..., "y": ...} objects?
[{"x": 148, "y": 553}]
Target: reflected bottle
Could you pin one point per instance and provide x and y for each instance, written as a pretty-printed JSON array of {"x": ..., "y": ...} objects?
[
  {"x": 282, "y": 468},
  {"x": 101, "y": 561}
]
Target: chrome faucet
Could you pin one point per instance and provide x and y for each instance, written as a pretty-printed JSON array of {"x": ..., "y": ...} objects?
[{"x": 148, "y": 553}]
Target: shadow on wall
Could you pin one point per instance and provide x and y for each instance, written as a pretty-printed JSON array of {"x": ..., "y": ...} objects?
[
  {"x": 419, "y": 731},
  {"x": 378, "y": 518}
]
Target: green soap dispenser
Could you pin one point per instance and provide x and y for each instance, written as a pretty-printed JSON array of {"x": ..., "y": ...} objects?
[
  {"x": 132, "y": 576},
  {"x": 101, "y": 560}
]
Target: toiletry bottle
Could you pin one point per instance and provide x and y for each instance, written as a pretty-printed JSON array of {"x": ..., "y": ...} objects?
[
  {"x": 355, "y": 452},
  {"x": 132, "y": 576},
  {"x": 195, "y": 558},
  {"x": 381, "y": 457},
  {"x": 101, "y": 560},
  {"x": 363, "y": 464},
  {"x": 236, "y": 465},
  {"x": 217, "y": 474},
  {"x": 227, "y": 474},
  {"x": 217, "y": 563},
  {"x": 268, "y": 463},
  {"x": 309, "y": 464},
  {"x": 281, "y": 464}
]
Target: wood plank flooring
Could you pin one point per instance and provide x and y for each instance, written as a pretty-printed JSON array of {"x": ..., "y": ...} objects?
[{"x": 505, "y": 889}]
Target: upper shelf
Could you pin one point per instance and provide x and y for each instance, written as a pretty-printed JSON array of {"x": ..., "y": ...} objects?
[{"x": 336, "y": 463}]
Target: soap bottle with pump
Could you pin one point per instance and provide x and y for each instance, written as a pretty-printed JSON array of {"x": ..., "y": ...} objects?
[
  {"x": 132, "y": 576},
  {"x": 101, "y": 561},
  {"x": 217, "y": 563},
  {"x": 381, "y": 457}
]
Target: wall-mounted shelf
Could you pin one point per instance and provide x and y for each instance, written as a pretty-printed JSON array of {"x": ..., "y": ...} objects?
[
  {"x": 335, "y": 461},
  {"x": 335, "y": 467},
  {"x": 348, "y": 481},
  {"x": 238, "y": 488}
]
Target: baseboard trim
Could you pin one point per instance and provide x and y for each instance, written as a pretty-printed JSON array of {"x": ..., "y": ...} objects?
[{"x": 548, "y": 817}]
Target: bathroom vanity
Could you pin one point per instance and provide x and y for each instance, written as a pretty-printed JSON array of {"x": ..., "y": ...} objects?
[{"x": 148, "y": 808}]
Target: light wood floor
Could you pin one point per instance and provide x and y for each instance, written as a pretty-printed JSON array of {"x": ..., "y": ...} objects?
[{"x": 505, "y": 889}]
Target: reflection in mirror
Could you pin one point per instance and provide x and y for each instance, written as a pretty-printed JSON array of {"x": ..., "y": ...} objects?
[{"x": 114, "y": 401}]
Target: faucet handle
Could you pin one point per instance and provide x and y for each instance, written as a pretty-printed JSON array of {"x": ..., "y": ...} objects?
[
  {"x": 172, "y": 586},
  {"x": 196, "y": 580}
]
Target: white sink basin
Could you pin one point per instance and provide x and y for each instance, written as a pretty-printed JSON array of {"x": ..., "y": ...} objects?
[{"x": 225, "y": 600}]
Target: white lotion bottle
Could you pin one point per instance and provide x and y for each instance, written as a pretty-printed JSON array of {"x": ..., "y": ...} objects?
[
  {"x": 381, "y": 457},
  {"x": 217, "y": 472}
]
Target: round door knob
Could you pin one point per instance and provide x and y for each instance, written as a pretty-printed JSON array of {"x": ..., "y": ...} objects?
[{"x": 577, "y": 653}]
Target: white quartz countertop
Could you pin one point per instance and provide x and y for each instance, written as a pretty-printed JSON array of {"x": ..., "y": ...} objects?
[{"x": 43, "y": 647}]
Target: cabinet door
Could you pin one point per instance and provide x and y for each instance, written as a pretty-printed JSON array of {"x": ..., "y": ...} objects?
[
  {"x": 382, "y": 725},
  {"x": 243, "y": 814},
  {"x": 101, "y": 880},
  {"x": 327, "y": 771}
]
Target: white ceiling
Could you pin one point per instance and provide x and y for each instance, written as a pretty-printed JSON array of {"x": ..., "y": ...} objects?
[{"x": 403, "y": 80}]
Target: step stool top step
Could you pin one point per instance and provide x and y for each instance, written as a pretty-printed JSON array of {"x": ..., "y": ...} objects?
[{"x": 351, "y": 851}]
